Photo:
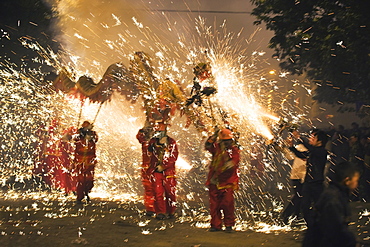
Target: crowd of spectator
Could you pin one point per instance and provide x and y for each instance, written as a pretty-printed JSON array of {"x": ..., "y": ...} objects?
[{"x": 352, "y": 145}]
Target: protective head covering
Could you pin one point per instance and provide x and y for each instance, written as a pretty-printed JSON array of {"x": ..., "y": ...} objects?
[
  {"x": 86, "y": 124},
  {"x": 225, "y": 134},
  {"x": 70, "y": 131}
]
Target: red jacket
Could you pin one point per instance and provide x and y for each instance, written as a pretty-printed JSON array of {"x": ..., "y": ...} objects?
[
  {"x": 85, "y": 151},
  {"x": 223, "y": 170},
  {"x": 144, "y": 148},
  {"x": 165, "y": 155}
]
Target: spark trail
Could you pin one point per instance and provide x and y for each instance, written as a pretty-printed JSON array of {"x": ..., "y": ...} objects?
[{"x": 96, "y": 35}]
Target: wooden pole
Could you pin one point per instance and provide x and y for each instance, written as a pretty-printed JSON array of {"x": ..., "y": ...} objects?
[
  {"x": 80, "y": 114},
  {"x": 97, "y": 113}
]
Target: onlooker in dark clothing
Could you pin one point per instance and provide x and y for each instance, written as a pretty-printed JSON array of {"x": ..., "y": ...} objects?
[
  {"x": 367, "y": 151},
  {"x": 330, "y": 228},
  {"x": 366, "y": 174},
  {"x": 339, "y": 150},
  {"x": 314, "y": 180},
  {"x": 356, "y": 152},
  {"x": 331, "y": 131},
  {"x": 363, "y": 142},
  {"x": 355, "y": 128},
  {"x": 356, "y": 157},
  {"x": 340, "y": 146}
]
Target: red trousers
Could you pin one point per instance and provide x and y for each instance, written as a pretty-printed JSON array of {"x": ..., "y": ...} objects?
[
  {"x": 222, "y": 199},
  {"x": 148, "y": 192},
  {"x": 164, "y": 189},
  {"x": 68, "y": 182},
  {"x": 85, "y": 180}
]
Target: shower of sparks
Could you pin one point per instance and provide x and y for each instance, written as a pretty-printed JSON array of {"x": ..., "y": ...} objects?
[
  {"x": 29, "y": 104},
  {"x": 182, "y": 164}
]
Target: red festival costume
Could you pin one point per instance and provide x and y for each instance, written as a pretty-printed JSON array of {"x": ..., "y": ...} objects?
[
  {"x": 53, "y": 157},
  {"x": 85, "y": 161},
  {"x": 49, "y": 157},
  {"x": 163, "y": 182},
  {"x": 61, "y": 176},
  {"x": 222, "y": 181},
  {"x": 39, "y": 154},
  {"x": 67, "y": 180},
  {"x": 145, "y": 177}
]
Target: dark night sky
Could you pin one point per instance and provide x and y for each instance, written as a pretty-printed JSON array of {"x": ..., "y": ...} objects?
[{"x": 125, "y": 9}]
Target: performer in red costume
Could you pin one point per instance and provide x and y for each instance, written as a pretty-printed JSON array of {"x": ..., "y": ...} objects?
[
  {"x": 51, "y": 154},
  {"x": 144, "y": 136},
  {"x": 164, "y": 153},
  {"x": 67, "y": 180},
  {"x": 85, "y": 160},
  {"x": 222, "y": 178},
  {"x": 39, "y": 155}
]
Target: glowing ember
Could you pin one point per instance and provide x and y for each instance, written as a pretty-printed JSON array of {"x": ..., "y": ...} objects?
[
  {"x": 241, "y": 101},
  {"x": 183, "y": 164}
]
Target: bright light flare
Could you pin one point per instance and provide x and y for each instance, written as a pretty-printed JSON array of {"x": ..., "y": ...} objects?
[
  {"x": 126, "y": 197},
  {"x": 272, "y": 117},
  {"x": 232, "y": 95},
  {"x": 182, "y": 164}
]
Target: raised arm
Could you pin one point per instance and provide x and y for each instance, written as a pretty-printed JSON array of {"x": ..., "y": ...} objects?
[
  {"x": 174, "y": 153},
  {"x": 299, "y": 154},
  {"x": 210, "y": 144}
]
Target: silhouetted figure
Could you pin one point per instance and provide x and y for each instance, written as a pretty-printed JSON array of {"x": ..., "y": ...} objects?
[
  {"x": 332, "y": 211},
  {"x": 313, "y": 184}
]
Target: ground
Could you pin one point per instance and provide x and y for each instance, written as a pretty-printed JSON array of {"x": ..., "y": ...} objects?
[
  {"x": 60, "y": 222},
  {"x": 102, "y": 223}
]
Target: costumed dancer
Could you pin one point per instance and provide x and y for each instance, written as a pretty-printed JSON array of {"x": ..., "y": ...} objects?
[
  {"x": 144, "y": 136},
  {"x": 164, "y": 153},
  {"x": 67, "y": 180},
  {"x": 39, "y": 155},
  {"x": 222, "y": 179},
  {"x": 85, "y": 160},
  {"x": 51, "y": 155}
]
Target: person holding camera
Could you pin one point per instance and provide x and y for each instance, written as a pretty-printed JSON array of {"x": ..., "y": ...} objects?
[
  {"x": 313, "y": 185},
  {"x": 144, "y": 136},
  {"x": 297, "y": 175}
]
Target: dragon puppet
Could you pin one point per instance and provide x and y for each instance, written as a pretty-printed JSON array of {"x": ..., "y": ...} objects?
[{"x": 161, "y": 98}]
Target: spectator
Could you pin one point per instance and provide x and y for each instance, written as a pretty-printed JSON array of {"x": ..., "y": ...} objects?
[
  {"x": 297, "y": 176},
  {"x": 333, "y": 211},
  {"x": 314, "y": 180},
  {"x": 340, "y": 146}
]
